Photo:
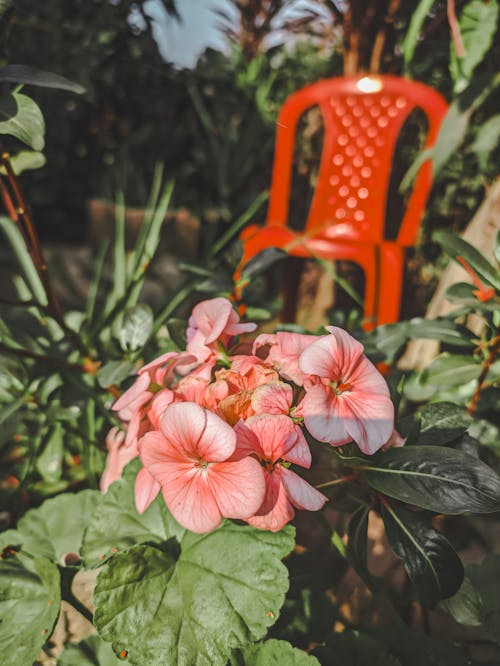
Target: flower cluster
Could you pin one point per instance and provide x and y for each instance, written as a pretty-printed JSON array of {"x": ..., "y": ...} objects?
[{"x": 217, "y": 432}]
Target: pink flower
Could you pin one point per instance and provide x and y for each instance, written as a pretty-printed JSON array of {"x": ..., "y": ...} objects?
[
  {"x": 347, "y": 398},
  {"x": 119, "y": 455},
  {"x": 135, "y": 405},
  {"x": 146, "y": 489},
  {"x": 275, "y": 398},
  {"x": 211, "y": 321},
  {"x": 276, "y": 440},
  {"x": 284, "y": 350},
  {"x": 189, "y": 459}
]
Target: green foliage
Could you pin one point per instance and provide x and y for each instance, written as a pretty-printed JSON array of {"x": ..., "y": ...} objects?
[
  {"x": 223, "y": 590},
  {"x": 428, "y": 557},
  {"x": 91, "y": 652},
  {"x": 21, "y": 117},
  {"x": 478, "y": 24},
  {"x": 439, "y": 479},
  {"x": 29, "y": 606},
  {"x": 277, "y": 653}
]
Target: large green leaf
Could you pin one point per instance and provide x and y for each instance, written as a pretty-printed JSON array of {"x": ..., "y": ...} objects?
[
  {"x": 21, "y": 117},
  {"x": 448, "y": 370},
  {"x": 273, "y": 653},
  {"x": 435, "y": 478},
  {"x": 116, "y": 525},
  {"x": 223, "y": 590},
  {"x": 93, "y": 651},
  {"x": 29, "y": 606},
  {"x": 466, "y": 606},
  {"x": 390, "y": 338},
  {"x": 478, "y": 24},
  {"x": 56, "y": 527},
  {"x": 428, "y": 557},
  {"x": 37, "y": 77},
  {"x": 455, "y": 247}
]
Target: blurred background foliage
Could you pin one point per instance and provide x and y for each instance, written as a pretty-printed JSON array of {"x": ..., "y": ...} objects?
[{"x": 213, "y": 126}]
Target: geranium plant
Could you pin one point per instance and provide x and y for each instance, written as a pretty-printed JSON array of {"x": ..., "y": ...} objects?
[{"x": 227, "y": 430}]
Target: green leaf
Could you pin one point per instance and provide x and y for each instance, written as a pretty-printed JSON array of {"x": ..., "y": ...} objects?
[
  {"x": 390, "y": 338},
  {"x": 478, "y": 24},
  {"x": 357, "y": 535},
  {"x": 463, "y": 293},
  {"x": 455, "y": 247},
  {"x": 428, "y": 557},
  {"x": 413, "y": 32},
  {"x": 114, "y": 373},
  {"x": 451, "y": 370},
  {"x": 487, "y": 138},
  {"x": 25, "y": 160},
  {"x": 177, "y": 331},
  {"x": 49, "y": 462},
  {"x": 273, "y": 653},
  {"x": 116, "y": 525},
  {"x": 486, "y": 579},
  {"x": 93, "y": 651},
  {"x": 448, "y": 370},
  {"x": 263, "y": 261},
  {"x": 441, "y": 423},
  {"x": 223, "y": 590},
  {"x": 56, "y": 527},
  {"x": 135, "y": 327},
  {"x": 37, "y": 77},
  {"x": 21, "y": 117},
  {"x": 18, "y": 245},
  {"x": 436, "y": 478},
  {"x": 29, "y": 605},
  {"x": 466, "y": 606}
]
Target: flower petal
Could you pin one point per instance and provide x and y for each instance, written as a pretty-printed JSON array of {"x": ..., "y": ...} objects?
[
  {"x": 325, "y": 416},
  {"x": 301, "y": 494},
  {"x": 332, "y": 356},
  {"x": 146, "y": 490},
  {"x": 276, "y": 510},
  {"x": 276, "y": 434},
  {"x": 183, "y": 424},
  {"x": 218, "y": 440},
  {"x": 136, "y": 392},
  {"x": 238, "y": 487},
  {"x": 300, "y": 453},
  {"x": 190, "y": 499},
  {"x": 272, "y": 398}
]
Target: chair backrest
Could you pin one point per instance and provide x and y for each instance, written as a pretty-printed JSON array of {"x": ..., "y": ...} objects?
[{"x": 363, "y": 117}]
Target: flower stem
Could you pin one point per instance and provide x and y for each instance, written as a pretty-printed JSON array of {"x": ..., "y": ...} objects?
[{"x": 335, "y": 482}]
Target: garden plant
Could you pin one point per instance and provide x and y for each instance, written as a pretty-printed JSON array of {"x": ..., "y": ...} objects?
[{"x": 226, "y": 490}]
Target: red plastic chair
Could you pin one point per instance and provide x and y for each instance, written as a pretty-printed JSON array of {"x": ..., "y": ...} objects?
[{"x": 362, "y": 119}]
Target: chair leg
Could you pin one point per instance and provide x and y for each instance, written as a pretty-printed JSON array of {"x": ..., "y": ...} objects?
[
  {"x": 368, "y": 262},
  {"x": 391, "y": 271}
]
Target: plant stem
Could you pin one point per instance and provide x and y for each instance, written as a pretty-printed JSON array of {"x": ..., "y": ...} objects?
[
  {"x": 67, "y": 576},
  {"x": 343, "y": 479},
  {"x": 493, "y": 347}
]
